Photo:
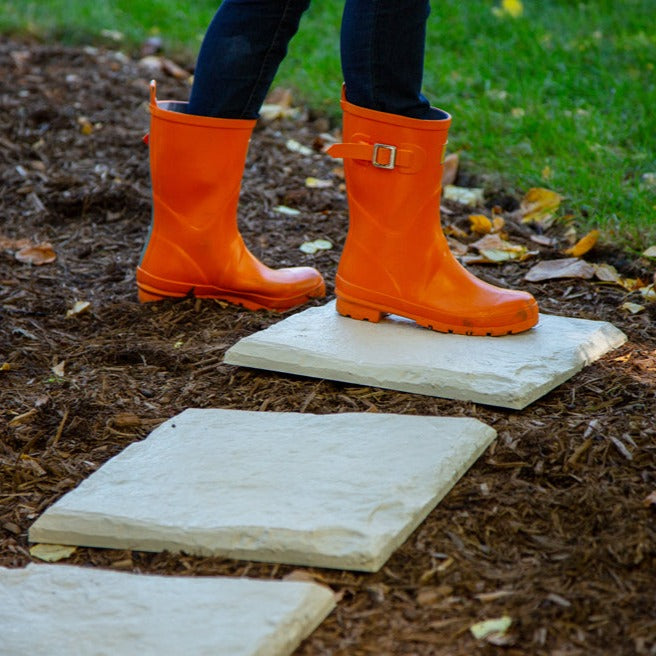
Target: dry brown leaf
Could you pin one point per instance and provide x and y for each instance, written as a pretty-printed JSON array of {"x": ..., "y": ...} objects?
[
  {"x": 38, "y": 254},
  {"x": 584, "y": 244},
  {"x": 451, "y": 163},
  {"x": 58, "y": 369},
  {"x": 607, "y": 273},
  {"x": 569, "y": 267},
  {"x": 455, "y": 231},
  {"x": 538, "y": 205}
]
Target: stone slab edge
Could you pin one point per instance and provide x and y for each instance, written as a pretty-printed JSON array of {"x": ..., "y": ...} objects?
[
  {"x": 315, "y": 603},
  {"x": 81, "y": 529},
  {"x": 249, "y": 352}
]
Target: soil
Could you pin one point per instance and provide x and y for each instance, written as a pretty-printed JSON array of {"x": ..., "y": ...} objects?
[{"x": 553, "y": 526}]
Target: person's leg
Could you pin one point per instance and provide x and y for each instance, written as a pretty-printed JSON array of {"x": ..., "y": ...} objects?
[
  {"x": 382, "y": 50},
  {"x": 240, "y": 54}
]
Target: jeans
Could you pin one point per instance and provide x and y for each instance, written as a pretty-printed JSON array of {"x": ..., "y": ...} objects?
[{"x": 382, "y": 52}]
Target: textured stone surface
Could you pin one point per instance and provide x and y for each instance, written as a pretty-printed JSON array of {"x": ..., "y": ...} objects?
[
  {"x": 59, "y": 610},
  {"x": 327, "y": 490},
  {"x": 510, "y": 372}
]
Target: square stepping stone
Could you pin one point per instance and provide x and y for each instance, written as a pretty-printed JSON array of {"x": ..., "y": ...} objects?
[
  {"x": 510, "y": 372},
  {"x": 339, "y": 491},
  {"x": 59, "y": 610}
]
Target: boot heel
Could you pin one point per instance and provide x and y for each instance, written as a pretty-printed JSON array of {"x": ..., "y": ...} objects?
[
  {"x": 357, "y": 311},
  {"x": 148, "y": 297}
]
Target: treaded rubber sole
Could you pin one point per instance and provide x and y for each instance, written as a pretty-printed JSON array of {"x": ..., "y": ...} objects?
[
  {"x": 148, "y": 294},
  {"x": 364, "y": 312}
]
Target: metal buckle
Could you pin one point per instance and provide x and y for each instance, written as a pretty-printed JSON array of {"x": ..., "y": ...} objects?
[{"x": 392, "y": 156}]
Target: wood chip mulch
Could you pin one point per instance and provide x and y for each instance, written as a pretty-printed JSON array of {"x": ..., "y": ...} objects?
[{"x": 554, "y": 526}]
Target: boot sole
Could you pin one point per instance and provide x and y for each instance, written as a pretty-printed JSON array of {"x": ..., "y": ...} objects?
[
  {"x": 374, "y": 313},
  {"x": 148, "y": 294}
]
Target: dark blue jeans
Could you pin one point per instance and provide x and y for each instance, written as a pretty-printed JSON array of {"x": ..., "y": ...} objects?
[{"x": 382, "y": 53}]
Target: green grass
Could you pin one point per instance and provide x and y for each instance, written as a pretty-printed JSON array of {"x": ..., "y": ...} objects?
[{"x": 568, "y": 87}]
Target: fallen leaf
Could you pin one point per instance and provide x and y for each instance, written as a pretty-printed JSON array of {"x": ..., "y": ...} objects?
[
  {"x": 486, "y": 628},
  {"x": 517, "y": 112},
  {"x": 37, "y": 254},
  {"x": 648, "y": 293},
  {"x": 543, "y": 240},
  {"x": 450, "y": 172},
  {"x": 316, "y": 183},
  {"x": 289, "y": 211},
  {"x": 584, "y": 244},
  {"x": 498, "y": 223},
  {"x": 633, "y": 308},
  {"x": 58, "y": 369},
  {"x": 495, "y": 249},
  {"x": 86, "y": 127},
  {"x": 457, "y": 247},
  {"x": 650, "y": 252},
  {"x": 538, "y": 205},
  {"x": 299, "y": 575},
  {"x": 311, "y": 247},
  {"x": 649, "y": 500},
  {"x": 480, "y": 224},
  {"x": 607, "y": 273},
  {"x": 547, "y": 173},
  {"x": 51, "y": 553},
  {"x": 455, "y": 231},
  {"x": 296, "y": 147},
  {"x": 464, "y": 195},
  {"x": 570, "y": 267},
  {"x": 79, "y": 307},
  {"x": 6, "y": 366}
]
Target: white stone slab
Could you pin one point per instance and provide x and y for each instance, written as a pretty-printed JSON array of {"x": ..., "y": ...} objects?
[
  {"x": 60, "y": 610},
  {"x": 338, "y": 491},
  {"x": 511, "y": 371}
]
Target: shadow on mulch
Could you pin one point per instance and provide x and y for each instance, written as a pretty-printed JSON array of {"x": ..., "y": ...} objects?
[{"x": 549, "y": 527}]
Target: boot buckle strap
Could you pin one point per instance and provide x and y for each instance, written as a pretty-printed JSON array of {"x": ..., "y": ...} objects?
[{"x": 391, "y": 159}]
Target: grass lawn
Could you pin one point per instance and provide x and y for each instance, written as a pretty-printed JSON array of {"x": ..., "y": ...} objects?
[{"x": 561, "y": 96}]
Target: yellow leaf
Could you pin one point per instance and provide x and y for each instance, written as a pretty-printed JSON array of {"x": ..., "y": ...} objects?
[
  {"x": 480, "y": 224},
  {"x": 547, "y": 173},
  {"x": 498, "y": 222},
  {"x": 51, "y": 553},
  {"x": 85, "y": 125},
  {"x": 584, "y": 244},
  {"x": 538, "y": 204},
  {"x": 513, "y": 7}
]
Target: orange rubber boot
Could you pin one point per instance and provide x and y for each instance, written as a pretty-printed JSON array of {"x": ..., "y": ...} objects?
[
  {"x": 396, "y": 259},
  {"x": 196, "y": 165}
]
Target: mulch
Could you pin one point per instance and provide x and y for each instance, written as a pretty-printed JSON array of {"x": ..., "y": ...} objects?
[{"x": 553, "y": 526}]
